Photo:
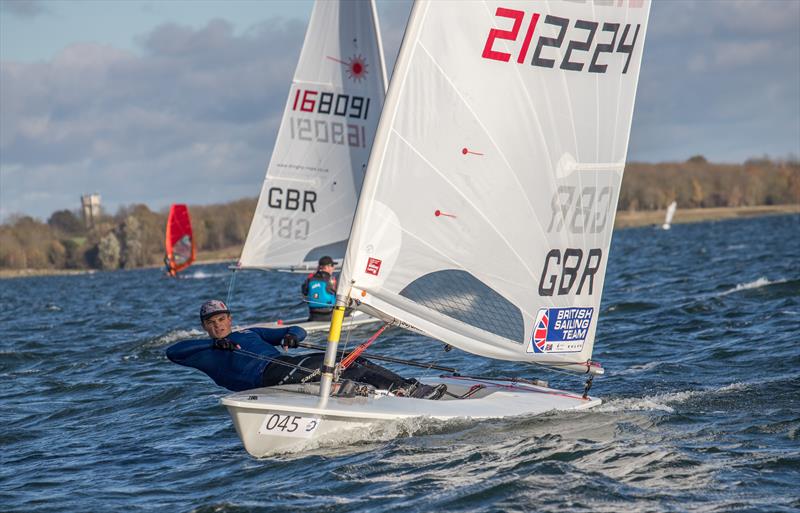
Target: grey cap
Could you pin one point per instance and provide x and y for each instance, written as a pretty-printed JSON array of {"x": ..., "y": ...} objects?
[{"x": 212, "y": 307}]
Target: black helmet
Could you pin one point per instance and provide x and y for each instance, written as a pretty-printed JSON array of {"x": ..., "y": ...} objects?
[{"x": 326, "y": 260}]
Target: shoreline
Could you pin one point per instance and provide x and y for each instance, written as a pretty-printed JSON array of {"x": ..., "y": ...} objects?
[
  {"x": 624, "y": 219},
  {"x": 629, "y": 219}
]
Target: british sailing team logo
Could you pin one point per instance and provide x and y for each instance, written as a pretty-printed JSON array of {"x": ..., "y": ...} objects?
[
  {"x": 560, "y": 330},
  {"x": 355, "y": 67},
  {"x": 540, "y": 331}
]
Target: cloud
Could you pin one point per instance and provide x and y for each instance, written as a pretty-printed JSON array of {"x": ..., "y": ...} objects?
[
  {"x": 23, "y": 8},
  {"x": 720, "y": 79},
  {"x": 723, "y": 18},
  {"x": 193, "y": 118}
]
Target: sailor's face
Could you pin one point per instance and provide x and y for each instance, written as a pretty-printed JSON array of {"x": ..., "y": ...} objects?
[
  {"x": 218, "y": 326},
  {"x": 327, "y": 269}
]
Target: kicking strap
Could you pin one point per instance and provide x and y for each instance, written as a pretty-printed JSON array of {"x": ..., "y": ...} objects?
[{"x": 355, "y": 353}]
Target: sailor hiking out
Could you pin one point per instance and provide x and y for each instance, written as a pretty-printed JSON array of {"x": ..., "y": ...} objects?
[{"x": 249, "y": 358}]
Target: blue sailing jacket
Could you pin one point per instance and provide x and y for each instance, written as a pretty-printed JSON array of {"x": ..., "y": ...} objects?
[
  {"x": 318, "y": 295},
  {"x": 320, "y": 291},
  {"x": 236, "y": 370}
]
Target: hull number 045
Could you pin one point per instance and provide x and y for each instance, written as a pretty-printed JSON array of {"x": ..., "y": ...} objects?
[{"x": 289, "y": 425}]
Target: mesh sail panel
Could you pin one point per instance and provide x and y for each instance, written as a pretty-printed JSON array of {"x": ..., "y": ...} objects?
[
  {"x": 460, "y": 295},
  {"x": 334, "y": 250}
]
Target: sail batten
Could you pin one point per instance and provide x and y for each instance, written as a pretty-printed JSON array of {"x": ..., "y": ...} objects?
[
  {"x": 486, "y": 215},
  {"x": 314, "y": 176}
]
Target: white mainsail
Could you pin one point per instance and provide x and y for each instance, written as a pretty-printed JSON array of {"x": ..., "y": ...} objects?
[
  {"x": 486, "y": 214},
  {"x": 306, "y": 205}
]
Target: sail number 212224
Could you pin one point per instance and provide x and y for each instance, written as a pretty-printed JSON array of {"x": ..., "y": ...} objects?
[{"x": 574, "y": 36}]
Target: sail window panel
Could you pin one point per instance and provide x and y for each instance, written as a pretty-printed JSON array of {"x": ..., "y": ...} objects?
[
  {"x": 460, "y": 295},
  {"x": 334, "y": 250}
]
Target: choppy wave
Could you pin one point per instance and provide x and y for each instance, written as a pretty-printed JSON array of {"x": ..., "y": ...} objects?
[
  {"x": 174, "y": 336},
  {"x": 702, "y": 415},
  {"x": 756, "y": 284},
  {"x": 666, "y": 401},
  {"x": 204, "y": 275}
]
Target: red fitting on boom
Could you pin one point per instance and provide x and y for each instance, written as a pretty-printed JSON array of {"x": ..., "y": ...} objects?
[{"x": 350, "y": 358}]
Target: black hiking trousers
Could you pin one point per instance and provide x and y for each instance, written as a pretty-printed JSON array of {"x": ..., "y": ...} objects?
[{"x": 361, "y": 370}]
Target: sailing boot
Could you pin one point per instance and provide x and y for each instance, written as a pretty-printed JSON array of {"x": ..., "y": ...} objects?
[
  {"x": 431, "y": 392},
  {"x": 349, "y": 388},
  {"x": 346, "y": 388}
]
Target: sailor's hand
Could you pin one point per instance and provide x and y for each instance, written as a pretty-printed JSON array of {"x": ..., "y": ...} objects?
[
  {"x": 289, "y": 341},
  {"x": 225, "y": 344}
]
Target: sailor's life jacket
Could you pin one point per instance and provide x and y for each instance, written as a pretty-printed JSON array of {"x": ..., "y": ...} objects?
[{"x": 320, "y": 291}]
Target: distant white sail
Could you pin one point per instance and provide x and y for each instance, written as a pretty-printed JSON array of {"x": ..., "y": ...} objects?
[
  {"x": 670, "y": 214},
  {"x": 486, "y": 215},
  {"x": 317, "y": 167}
]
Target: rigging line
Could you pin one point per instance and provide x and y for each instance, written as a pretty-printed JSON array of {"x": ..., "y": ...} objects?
[
  {"x": 346, "y": 337},
  {"x": 231, "y": 284},
  {"x": 273, "y": 360},
  {"x": 346, "y": 342},
  {"x": 434, "y": 363},
  {"x": 554, "y": 367},
  {"x": 400, "y": 361}
]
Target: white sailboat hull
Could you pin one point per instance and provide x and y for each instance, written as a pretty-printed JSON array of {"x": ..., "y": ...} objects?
[{"x": 276, "y": 420}]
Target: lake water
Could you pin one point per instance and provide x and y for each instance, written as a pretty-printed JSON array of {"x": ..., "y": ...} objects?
[{"x": 699, "y": 334}]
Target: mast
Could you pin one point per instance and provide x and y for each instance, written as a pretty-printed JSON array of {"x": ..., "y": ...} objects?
[
  {"x": 381, "y": 137},
  {"x": 376, "y": 27}
]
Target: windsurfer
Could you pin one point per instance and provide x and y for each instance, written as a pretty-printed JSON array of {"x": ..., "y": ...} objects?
[
  {"x": 168, "y": 269},
  {"x": 246, "y": 359},
  {"x": 319, "y": 290}
]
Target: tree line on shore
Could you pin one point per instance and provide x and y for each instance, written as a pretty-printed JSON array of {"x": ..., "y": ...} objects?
[
  {"x": 131, "y": 238},
  {"x": 134, "y": 236}
]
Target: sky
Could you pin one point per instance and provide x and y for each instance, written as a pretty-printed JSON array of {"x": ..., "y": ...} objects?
[{"x": 158, "y": 102}]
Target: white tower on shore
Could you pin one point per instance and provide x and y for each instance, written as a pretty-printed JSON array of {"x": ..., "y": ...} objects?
[{"x": 90, "y": 204}]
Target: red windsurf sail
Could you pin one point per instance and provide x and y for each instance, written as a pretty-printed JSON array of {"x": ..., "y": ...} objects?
[{"x": 179, "y": 242}]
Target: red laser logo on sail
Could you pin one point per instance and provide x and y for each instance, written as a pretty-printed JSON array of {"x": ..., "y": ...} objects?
[
  {"x": 373, "y": 266},
  {"x": 466, "y": 151},
  {"x": 356, "y": 67},
  {"x": 439, "y": 213}
]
